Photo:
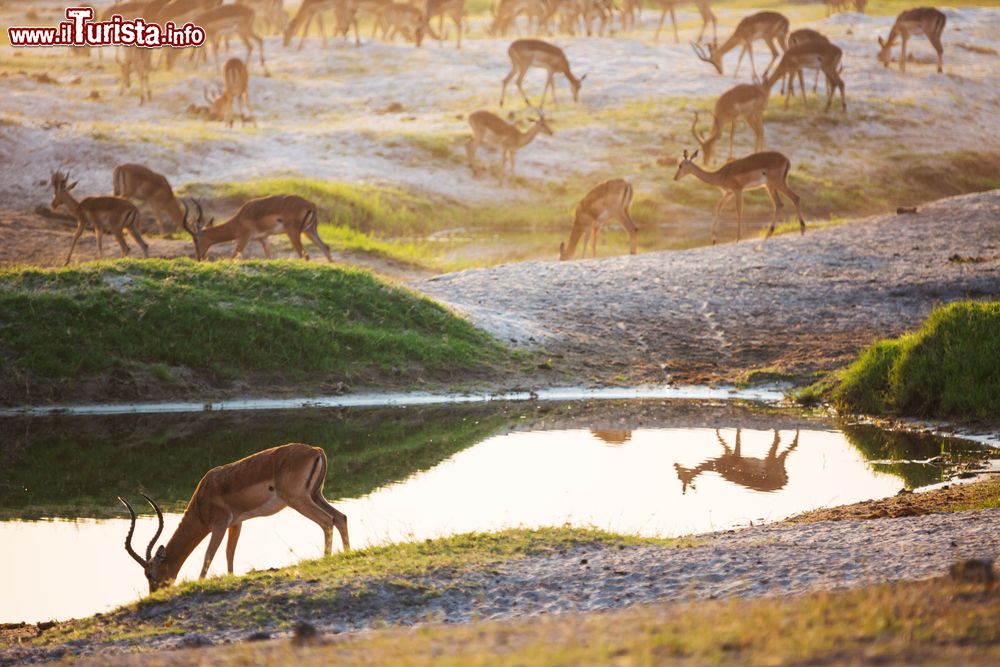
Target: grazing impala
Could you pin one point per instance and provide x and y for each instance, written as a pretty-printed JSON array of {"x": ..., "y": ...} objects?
[
  {"x": 261, "y": 484},
  {"x": 758, "y": 170},
  {"x": 255, "y": 221},
  {"x": 235, "y": 90},
  {"x": 770, "y": 27},
  {"x": 822, "y": 56},
  {"x": 491, "y": 130},
  {"x": 802, "y": 36},
  {"x": 608, "y": 201},
  {"x": 767, "y": 474},
  {"x": 310, "y": 9},
  {"x": 139, "y": 61},
  {"x": 231, "y": 20},
  {"x": 742, "y": 101},
  {"x": 452, "y": 9},
  {"x": 527, "y": 53},
  {"x": 104, "y": 214},
  {"x": 703, "y": 8},
  {"x": 270, "y": 14},
  {"x": 406, "y": 20},
  {"x": 136, "y": 182},
  {"x": 922, "y": 20}
]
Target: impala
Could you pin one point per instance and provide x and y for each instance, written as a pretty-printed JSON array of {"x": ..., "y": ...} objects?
[
  {"x": 136, "y": 182},
  {"x": 507, "y": 12},
  {"x": 255, "y": 221},
  {"x": 111, "y": 214},
  {"x": 770, "y": 27},
  {"x": 607, "y": 201},
  {"x": 310, "y": 9},
  {"x": 261, "y": 484},
  {"x": 758, "y": 170},
  {"x": 407, "y": 20},
  {"x": 137, "y": 60},
  {"x": 922, "y": 20},
  {"x": 491, "y": 130},
  {"x": 746, "y": 101},
  {"x": 235, "y": 81},
  {"x": 231, "y": 20},
  {"x": 822, "y": 56},
  {"x": 270, "y": 13},
  {"x": 586, "y": 12},
  {"x": 452, "y": 9},
  {"x": 802, "y": 36},
  {"x": 527, "y": 53},
  {"x": 767, "y": 474},
  {"x": 181, "y": 12},
  {"x": 703, "y": 8}
]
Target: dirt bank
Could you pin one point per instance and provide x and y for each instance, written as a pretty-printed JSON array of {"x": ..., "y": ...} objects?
[{"x": 799, "y": 304}]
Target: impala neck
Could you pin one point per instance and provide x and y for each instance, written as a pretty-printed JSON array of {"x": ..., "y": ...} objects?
[
  {"x": 710, "y": 177},
  {"x": 189, "y": 533},
  {"x": 525, "y": 138},
  {"x": 727, "y": 46},
  {"x": 574, "y": 238},
  {"x": 70, "y": 202}
]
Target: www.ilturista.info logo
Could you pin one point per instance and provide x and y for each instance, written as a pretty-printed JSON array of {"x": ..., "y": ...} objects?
[{"x": 80, "y": 30}]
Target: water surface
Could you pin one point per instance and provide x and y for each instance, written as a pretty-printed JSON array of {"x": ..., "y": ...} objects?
[{"x": 647, "y": 467}]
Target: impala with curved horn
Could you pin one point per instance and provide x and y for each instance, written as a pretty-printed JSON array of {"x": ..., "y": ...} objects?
[
  {"x": 743, "y": 101},
  {"x": 261, "y": 484},
  {"x": 770, "y": 27}
]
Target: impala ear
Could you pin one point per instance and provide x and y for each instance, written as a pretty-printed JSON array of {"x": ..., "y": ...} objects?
[
  {"x": 685, "y": 154},
  {"x": 70, "y": 187},
  {"x": 695, "y": 154},
  {"x": 582, "y": 78},
  {"x": 161, "y": 554},
  {"x": 881, "y": 42}
]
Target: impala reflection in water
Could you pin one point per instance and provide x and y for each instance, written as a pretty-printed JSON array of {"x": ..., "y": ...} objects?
[
  {"x": 413, "y": 474},
  {"x": 758, "y": 474}
]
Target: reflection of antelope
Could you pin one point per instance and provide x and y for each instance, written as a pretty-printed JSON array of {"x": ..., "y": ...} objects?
[
  {"x": 767, "y": 474},
  {"x": 921, "y": 20},
  {"x": 612, "y": 436},
  {"x": 608, "y": 201}
]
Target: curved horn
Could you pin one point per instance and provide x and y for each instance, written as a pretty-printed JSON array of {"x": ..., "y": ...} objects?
[
  {"x": 128, "y": 538},
  {"x": 700, "y": 138},
  {"x": 700, "y": 52},
  {"x": 201, "y": 214},
  {"x": 159, "y": 529}
]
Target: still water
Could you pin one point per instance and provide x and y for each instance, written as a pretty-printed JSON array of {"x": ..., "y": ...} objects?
[{"x": 648, "y": 467}]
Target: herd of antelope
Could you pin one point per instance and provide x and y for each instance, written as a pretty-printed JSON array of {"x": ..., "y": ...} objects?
[{"x": 792, "y": 54}]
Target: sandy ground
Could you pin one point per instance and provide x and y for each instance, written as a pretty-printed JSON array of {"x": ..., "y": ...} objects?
[
  {"x": 798, "y": 303},
  {"x": 771, "y": 560}
]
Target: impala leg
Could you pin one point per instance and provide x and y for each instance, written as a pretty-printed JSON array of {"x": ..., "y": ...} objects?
[
  {"x": 816, "y": 82},
  {"x": 739, "y": 61},
  {"x": 663, "y": 16},
  {"x": 552, "y": 86},
  {"x": 241, "y": 243},
  {"x": 935, "y": 40},
  {"x": 76, "y": 237},
  {"x": 295, "y": 238},
  {"x": 732, "y": 133},
  {"x": 802, "y": 88},
  {"x": 753, "y": 68},
  {"x": 520, "y": 87},
  {"x": 506, "y": 80},
  {"x": 339, "y": 518},
  {"x": 774, "y": 52},
  {"x": 631, "y": 229},
  {"x": 99, "y": 235},
  {"x": 593, "y": 241},
  {"x": 213, "y": 545},
  {"x": 756, "y": 122},
  {"x": 234, "y": 537},
  {"x": 133, "y": 231},
  {"x": 117, "y": 233},
  {"x": 673, "y": 20},
  {"x": 902, "y": 56},
  {"x": 313, "y": 235},
  {"x": 718, "y": 211},
  {"x": 739, "y": 215},
  {"x": 787, "y": 191},
  {"x": 265, "y": 246},
  {"x": 512, "y": 154},
  {"x": 308, "y": 508},
  {"x": 776, "y": 200}
]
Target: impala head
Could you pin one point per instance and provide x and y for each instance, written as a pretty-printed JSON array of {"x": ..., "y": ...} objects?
[
  {"x": 686, "y": 166},
  {"x": 885, "y": 53},
  {"x": 542, "y": 124},
  {"x": 154, "y": 566},
  {"x": 707, "y": 143},
  {"x": 196, "y": 227},
  {"x": 61, "y": 188},
  {"x": 709, "y": 56}
]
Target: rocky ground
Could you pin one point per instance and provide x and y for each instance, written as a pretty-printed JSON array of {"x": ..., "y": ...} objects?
[{"x": 795, "y": 303}]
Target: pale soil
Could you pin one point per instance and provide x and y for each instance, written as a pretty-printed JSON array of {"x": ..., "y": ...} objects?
[
  {"x": 797, "y": 303},
  {"x": 774, "y": 560}
]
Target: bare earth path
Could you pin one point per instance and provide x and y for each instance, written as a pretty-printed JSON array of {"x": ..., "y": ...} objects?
[{"x": 798, "y": 304}]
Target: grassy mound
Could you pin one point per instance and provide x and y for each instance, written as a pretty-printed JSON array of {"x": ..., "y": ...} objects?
[
  {"x": 949, "y": 368},
  {"x": 226, "y": 321}
]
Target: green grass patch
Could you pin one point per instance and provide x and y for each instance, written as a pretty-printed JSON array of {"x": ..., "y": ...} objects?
[
  {"x": 226, "y": 320},
  {"x": 949, "y": 368},
  {"x": 332, "y": 585}
]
